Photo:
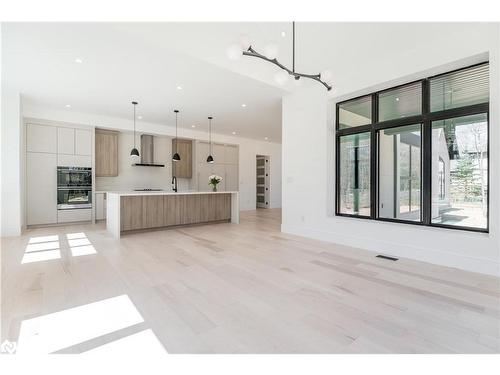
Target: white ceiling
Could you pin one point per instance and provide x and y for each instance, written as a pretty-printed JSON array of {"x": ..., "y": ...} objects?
[
  {"x": 147, "y": 61},
  {"x": 121, "y": 65}
]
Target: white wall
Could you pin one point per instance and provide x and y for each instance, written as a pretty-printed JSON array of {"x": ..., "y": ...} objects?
[
  {"x": 12, "y": 163},
  {"x": 308, "y": 183},
  {"x": 248, "y": 149},
  {"x": 133, "y": 177}
]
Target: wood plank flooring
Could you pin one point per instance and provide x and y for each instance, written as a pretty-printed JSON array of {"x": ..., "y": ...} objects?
[{"x": 228, "y": 288}]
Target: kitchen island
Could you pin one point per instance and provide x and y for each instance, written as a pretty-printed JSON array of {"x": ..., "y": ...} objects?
[{"x": 138, "y": 210}]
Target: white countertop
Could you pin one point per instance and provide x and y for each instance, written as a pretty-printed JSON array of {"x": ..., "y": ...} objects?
[{"x": 132, "y": 193}]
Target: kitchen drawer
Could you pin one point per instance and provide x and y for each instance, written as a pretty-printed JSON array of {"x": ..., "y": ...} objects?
[{"x": 69, "y": 216}]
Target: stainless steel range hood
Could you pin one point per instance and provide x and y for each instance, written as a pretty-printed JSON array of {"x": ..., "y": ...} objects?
[{"x": 148, "y": 152}]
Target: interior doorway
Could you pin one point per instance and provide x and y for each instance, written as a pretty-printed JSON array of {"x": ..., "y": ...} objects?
[{"x": 262, "y": 174}]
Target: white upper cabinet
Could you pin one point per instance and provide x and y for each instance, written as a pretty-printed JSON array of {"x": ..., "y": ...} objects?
[
  {"x": 231, "y": 154},
  {"x": 83, "y": 142},
  {"x": 74, "y": 141},
  {"x": 204, "y": 171},
  {"x": 218, "y": 153},
  {"x": 202, "y": 151},
  {"x": 232, "y": 183},
  {"x": 220, "y": 170},
  {"x": 41, "y": 138},
  {"x": 66, "y": 141}
]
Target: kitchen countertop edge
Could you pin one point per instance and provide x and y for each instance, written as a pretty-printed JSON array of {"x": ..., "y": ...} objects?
[{"x": 133, "y": 193}]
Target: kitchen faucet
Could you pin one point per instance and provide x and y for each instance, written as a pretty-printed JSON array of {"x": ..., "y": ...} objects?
[{"x": 174, "y": 182}]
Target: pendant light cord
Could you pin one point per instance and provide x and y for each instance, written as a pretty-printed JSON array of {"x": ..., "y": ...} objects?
[
  {"x": 176, "y": 112},
  {"x": 293, "y": 47},
  {"x": 210, "y": 134}
]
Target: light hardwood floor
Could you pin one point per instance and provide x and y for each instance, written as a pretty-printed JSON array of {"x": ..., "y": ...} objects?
[{"x": 228, "y": 288}]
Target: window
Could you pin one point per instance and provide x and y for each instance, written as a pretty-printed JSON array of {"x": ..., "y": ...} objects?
[
  {"x": 460, "y": 88},
  {"x": 355, "y": 174},
  {"x": 417, "y": 153},
  {"x": 400, "y": 102},
  {"x": 461, "y": 145},
  {"x": 399, "y": 169},
  {"x": 355, "y": 112}
]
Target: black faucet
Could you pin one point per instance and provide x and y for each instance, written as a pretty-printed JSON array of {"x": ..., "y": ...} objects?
[{"x": 174, "y": 182}]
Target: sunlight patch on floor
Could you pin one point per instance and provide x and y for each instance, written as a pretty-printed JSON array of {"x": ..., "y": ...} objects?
[
  {"x": 83, "y": 250},
  {"x": 40, "y": 256},
  {"x": 141, "y": 343},
  {"x": 44, "y": 239},
  {"x": 42, "y": 248},
  {"x": 52, "y": 332},
  {"x": 80, "y": 244}
]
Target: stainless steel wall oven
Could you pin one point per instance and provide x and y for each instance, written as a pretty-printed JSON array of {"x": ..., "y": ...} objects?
[{"x": 74, "y": 187}]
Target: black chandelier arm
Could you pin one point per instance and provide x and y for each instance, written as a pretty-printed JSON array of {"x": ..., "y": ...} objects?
[{"x": 316, "y": 77}]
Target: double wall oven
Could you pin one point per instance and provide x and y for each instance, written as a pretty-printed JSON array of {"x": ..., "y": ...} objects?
[{"x": 74, "y": 188}]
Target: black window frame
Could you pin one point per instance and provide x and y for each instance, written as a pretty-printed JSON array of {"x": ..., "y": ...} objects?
[{"x": 425, "y": 119}]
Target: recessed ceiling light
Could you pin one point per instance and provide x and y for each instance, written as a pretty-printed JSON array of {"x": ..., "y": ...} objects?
[
  {"x": 243, "y": 105},
  {"x": 193, "y": 126},
  {"x": 397, "y": 99},
  {"x": 179, "y": 87},
  {"x": 68, "y": 105},
  {"x": 78, "y": 61},
  {"x": 266, "y": 138},
  {"x": 139, "y": 117},
  {"x": 234, "y": 133},
  {"x": 283, "y": 34}
]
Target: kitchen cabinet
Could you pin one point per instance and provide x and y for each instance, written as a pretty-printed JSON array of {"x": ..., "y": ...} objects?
[
  {"x": 72, "y": 141},
  {"x": 232, "y": 178},
  {"x": 231, "y": 154},
  {"x": 72, "y": 216},
  {"x": 66, "y": 141},
  {"x": 184, "y": 167},
  {"x": 74, "y": 160},
  {"x": 204, "y": 171},
  {"x": 41, "y": 138},
  {"x": 202, "y": 151},
  {"x": 226, "y": 165},
  {"x": 131, "y": 212},
  {"x": 41, "y": 188},
  {"x": 83, "y": 142},
  {"x": 152, "y": 208},
  {"x": 100, "y": 206},
  {"x": 106, "y": 153}
]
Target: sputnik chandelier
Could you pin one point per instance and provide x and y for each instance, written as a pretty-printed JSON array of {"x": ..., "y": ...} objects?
[{"x": 235, "y": 51}]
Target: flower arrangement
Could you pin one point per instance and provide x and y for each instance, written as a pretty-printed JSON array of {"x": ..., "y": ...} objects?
[{"x": 214, "y": 180}]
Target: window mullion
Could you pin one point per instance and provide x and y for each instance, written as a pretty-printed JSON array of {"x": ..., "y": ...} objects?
[
  {"x": 426, "y": 156},
  {"x": 373, "y": 160}
]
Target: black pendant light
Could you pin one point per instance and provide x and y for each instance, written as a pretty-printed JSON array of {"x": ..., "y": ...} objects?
[
  {"x": 134, "y": 152},
  {"x": 176, "y": 156},
  {"x": 210, "y": 158}
]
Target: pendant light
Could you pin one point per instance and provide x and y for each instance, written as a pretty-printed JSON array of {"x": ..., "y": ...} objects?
[
  {"x": 210, "y": 158},
  {"x": 134, "y": 151},
  {"x": 176, "y": 156}
]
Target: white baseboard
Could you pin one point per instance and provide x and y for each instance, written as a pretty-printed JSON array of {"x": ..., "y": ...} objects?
[{"x": 442, "y": 258}]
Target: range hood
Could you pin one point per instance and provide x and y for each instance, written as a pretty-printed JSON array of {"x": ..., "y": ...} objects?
[{"x": 147, "y": 152}]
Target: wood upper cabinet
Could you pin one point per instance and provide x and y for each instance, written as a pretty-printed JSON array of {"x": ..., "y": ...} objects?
[
  {"x": 184, "y": 167},
  {"x": 106, "y": 153}
]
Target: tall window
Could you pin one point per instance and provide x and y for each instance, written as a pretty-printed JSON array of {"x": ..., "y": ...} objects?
[{"x": 417, "y": 153}]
